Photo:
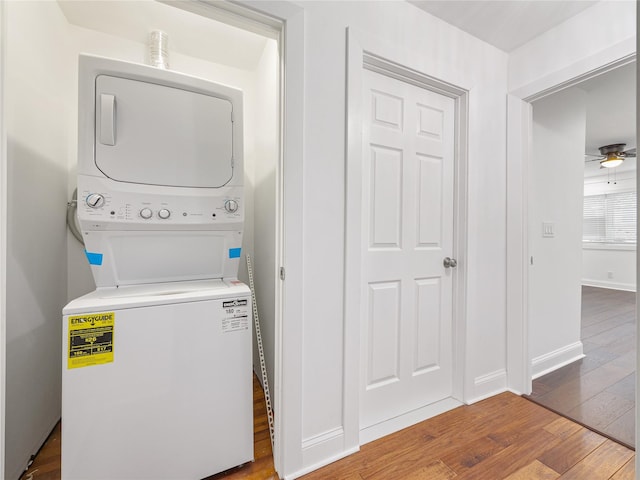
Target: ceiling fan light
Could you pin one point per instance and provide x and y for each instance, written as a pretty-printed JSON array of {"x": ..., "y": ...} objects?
[{"x": 612, "y": 161}]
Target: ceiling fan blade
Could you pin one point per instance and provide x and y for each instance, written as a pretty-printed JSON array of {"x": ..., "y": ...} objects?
[
  {"x": 630, "y": 153},
  {"x": 591, "y": 155},
  {"x": 594, "y": 159}
]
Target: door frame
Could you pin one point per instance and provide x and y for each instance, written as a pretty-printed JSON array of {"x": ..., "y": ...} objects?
[
  {"x": 519, "y": 145},
  {"x": 3, "y": 232},
  {"x": 371, "y": 53}
]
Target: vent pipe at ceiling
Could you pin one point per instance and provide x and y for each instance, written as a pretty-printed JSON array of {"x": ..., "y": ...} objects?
[{"x": 159, "y": 49}]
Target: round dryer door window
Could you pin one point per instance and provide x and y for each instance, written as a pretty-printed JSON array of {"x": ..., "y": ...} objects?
[{"x": 160, "y": 135}]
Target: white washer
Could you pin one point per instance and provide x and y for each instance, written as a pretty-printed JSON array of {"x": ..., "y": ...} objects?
[{"x": 157, "y": 381}]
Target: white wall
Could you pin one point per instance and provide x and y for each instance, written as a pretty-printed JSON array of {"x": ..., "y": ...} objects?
[
  {"x": 38, "y": 85},
  {"x": 609, "y": 267},
  {"x": 265, "y": 205},
  {"x": 556, "y": 196}
]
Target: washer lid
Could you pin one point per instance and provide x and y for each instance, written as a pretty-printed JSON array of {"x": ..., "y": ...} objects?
[
  {"x": 160, "y": 135},
  {"x": 136, "y": 296}
]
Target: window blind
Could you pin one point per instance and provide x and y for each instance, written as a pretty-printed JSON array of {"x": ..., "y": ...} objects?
[{"x": 610, "y": 218}]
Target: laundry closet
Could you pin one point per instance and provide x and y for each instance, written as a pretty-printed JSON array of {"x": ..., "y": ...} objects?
[{"x": 46, "y": 266}]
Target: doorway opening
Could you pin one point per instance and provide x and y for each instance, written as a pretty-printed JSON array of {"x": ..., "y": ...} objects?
[{"x": 582, "y": 244}]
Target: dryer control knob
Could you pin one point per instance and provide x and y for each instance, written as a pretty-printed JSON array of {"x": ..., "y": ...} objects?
[
  {"x": 95, "y": 200},
  {"x": 164, "y": 213},
  {"x": 146, "y": 213},
  {"x": 231, "y": 206}
]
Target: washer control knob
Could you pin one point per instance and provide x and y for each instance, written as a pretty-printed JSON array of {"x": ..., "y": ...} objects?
[
  {"x": 95, "y": 200},
  {"x": 146, "y": 213},
  {"x": 231, "y": 206},
  {"x": 164, "y": 213}
]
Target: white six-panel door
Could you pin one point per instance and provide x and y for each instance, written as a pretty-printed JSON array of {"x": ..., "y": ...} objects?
[{"x": 407, "y": 199}]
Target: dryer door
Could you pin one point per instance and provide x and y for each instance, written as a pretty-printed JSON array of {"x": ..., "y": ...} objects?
[{"x": 159, "y": 135}]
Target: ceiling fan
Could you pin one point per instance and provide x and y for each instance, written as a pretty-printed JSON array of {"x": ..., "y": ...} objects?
[{"x": 612, "y": 155}]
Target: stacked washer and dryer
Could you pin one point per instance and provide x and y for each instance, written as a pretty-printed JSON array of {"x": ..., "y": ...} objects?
[{"x": 157, "y": 367}]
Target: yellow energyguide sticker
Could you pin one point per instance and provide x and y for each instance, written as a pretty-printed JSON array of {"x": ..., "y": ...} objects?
[{"x": 90, "y": 339}]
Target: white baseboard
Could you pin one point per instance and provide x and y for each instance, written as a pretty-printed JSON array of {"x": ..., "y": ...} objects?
[
  {"x": 324, "y": 437},
  {"x": 551, "y": 361},
  {"x": 488, "y": 385},
  {"x": 323, "y": 463},
  {"x": 395, "y": 424},
  {"x": 322, "y": 449},
  {"x": 627, "y": 287}
]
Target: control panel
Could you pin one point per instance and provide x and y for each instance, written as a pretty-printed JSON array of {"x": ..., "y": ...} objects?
[{"x": 157, "y": 208}]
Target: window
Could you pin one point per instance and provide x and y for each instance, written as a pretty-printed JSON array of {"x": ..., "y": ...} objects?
[{"x": 610, "y": 218}]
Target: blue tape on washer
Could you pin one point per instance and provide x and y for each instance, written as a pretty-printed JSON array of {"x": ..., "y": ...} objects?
[
  {"x": 234, "y": 252},
  {"x": 94, "y": 258}
]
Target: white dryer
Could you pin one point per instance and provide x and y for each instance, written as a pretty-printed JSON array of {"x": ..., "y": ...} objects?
[
  {"x": 157, "y": 367},
  {"x": 160, "y": 174}
]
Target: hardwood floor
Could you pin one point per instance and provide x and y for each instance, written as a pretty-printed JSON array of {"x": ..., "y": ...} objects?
[
  {"x": 599, "y": 390},
  {"x": 503, "y": 437}
]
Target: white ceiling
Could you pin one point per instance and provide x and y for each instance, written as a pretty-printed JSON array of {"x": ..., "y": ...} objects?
[
  {"x": 611, "y": 108},
  {"x": 611, "y": 114},
  {"x": 189, "y": 34},
  {"x": 505, "y": 24}
]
